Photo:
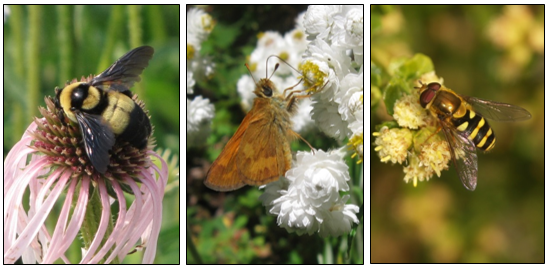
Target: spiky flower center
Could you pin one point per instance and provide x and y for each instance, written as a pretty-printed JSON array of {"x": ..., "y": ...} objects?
[{"x": 62, "y": 143}]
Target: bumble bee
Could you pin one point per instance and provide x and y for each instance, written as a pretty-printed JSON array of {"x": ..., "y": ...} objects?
[
  {"x": 104, "y": 108},
  {"x": 463, "y": 120}
]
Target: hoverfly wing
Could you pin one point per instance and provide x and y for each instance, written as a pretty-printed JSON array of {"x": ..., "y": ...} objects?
[
  {"x": 497, "y": 111},
  {"x": 463, "y": 155},
  {"x": 121, "y": 75}
]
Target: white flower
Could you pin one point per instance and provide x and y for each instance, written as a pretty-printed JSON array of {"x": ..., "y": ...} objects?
[
  {"x": 199, "y": 114},
  {"x": 245, "y": 87},
  {"x": 269, "y": 43},
  {"x": 190, "y": 82},
  {"x": 328, "y": 119},
  {"x": 296, "y": 39},
  {"x": 319, "y": 73},
  {"x": 202, "y": 67},
  {"x": 309, "y": 200},
  {"x": 348, "y": 29},
  {"x": 334, "y": 58},
  {"x": 302, "y": 120},
  {"x": 350, "y": 96},
  {"x": 199, "y": 25},
  {"x": 299, "y": 21},
  {"x": 339, "y": 218},
  {"x": 337, "y": 60},
  {"x": 353, "y": 27},
  {"x": 356, "y": 127},
  {"x": 318, "y": 21}
]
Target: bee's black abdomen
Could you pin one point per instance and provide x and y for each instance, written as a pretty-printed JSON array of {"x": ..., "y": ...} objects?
[{"x": 138, "y": 130}]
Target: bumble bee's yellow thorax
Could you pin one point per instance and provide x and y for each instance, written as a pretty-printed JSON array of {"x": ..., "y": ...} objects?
[{"x": 118, "y": 111}]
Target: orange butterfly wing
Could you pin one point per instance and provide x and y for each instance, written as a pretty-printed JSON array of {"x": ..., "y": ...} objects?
[
  {"x": 264, "y": 154},
  {"x": 223, "y": 174}
]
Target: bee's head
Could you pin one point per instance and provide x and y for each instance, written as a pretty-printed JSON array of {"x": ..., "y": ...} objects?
[{"x": 57, "y": 103}]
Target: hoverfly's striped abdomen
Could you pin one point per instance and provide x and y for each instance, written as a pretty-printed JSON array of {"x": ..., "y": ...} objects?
[{"x": 476, "y": 128}]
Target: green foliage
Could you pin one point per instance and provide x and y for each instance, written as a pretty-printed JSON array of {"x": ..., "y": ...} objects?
[
  {"x": 225, "y": 240},
  {"x": 413, "y": 68},
  {"x": 405, "y": 71}
]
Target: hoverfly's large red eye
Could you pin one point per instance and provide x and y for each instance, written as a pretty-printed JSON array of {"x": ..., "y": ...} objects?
[
  {"x": 434, "y": 86},
  {"x": 427, "y": 96}
]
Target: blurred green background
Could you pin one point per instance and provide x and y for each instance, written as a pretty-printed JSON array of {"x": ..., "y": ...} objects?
[
  {"x": 233, "y": 227},
  {"x": 45, "y": 46},
  {"x": 491, "y": 52}
]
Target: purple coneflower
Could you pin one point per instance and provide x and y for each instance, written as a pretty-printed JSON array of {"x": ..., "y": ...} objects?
[{"x": 49, "y": 160}]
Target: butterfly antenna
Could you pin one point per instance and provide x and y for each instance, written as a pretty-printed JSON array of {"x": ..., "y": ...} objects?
[
  {"x": 275, "y": 68},
  {"x": 287, "y": 65},
  {"x": 247, "y": 66},
  {"x": 283, "y": 62}
]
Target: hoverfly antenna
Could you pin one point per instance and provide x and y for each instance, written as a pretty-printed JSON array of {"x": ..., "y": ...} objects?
[{"x": 420, "y": 82}]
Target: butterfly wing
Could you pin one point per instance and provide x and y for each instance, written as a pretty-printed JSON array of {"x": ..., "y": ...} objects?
[
  {"x": 223, "y": 174},
  {"x": 264, "y": 154}
]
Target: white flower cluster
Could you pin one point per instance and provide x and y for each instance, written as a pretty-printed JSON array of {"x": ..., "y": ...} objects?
[
  {"x": 334, "y": 60},
  {"x": 309, "y": 199},
  {"x": 199, "y": 111},
  {"x": 199, "y": 25}
]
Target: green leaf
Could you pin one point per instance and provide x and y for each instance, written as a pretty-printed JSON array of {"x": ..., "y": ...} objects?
[
  {"x": 413, "y": 68},
  {"x": 389, "y": 124},
  {"x": 376, "y": 74},
  {"x": 394, "y": 90}
]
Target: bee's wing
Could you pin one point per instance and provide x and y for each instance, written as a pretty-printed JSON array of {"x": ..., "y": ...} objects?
[
  {"x": 496, "y": 110},
  {"x": 463, "y": 155},
  {"x": 121, "y": 75},
  {"x": 98, "y": 139}
]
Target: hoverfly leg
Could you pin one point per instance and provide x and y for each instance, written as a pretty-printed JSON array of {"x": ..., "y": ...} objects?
[{"x": 437, "y": 131}]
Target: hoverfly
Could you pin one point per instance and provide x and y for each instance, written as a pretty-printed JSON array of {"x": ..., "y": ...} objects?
[{"x": 463, "y": 120}]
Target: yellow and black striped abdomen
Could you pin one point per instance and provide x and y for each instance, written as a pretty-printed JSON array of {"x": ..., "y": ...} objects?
[{"x": 476, "y": 128}]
